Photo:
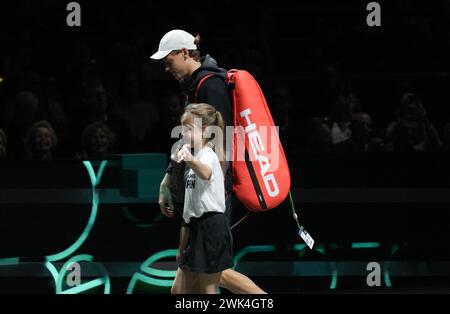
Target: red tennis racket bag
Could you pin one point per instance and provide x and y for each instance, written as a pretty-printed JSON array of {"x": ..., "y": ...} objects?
[{"x": 261, "y": 179}]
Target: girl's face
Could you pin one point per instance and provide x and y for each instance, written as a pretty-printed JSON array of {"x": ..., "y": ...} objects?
[
  {"x": 175, "y": 64},
  {"x": 192, "y": 132},
  {"x": 43, "y": 139}
]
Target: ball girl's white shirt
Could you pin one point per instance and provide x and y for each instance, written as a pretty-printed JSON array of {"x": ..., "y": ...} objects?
[{"x": 202, "y": 196}]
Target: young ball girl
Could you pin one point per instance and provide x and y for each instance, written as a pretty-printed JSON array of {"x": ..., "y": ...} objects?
[{"x": 210, "y": 241}]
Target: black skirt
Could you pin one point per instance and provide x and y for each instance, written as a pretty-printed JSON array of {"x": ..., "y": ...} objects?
[{"x": 210, "y": 247}]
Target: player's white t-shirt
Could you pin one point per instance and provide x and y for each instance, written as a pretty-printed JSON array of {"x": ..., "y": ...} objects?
[{"x": 203, "y": 196}]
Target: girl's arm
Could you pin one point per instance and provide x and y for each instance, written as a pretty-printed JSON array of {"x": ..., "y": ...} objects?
[{"x": 202, "y": 170}]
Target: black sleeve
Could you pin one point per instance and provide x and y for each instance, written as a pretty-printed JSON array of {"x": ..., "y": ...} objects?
[{"x": 214, "y": 92}]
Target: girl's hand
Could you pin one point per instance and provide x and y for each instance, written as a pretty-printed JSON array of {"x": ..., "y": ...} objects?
[{"x": 185, "y": 153}]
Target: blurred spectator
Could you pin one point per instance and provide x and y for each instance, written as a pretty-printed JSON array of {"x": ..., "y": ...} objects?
[
  {"x": 353, "y": 102},
  {"x": 139, "y": 112},
  {"x": 156, "y": 136},
  {"x": 363, "y": 137},
  {"x": 3, "y": 145},
  {"x": 281, "y": 108},
  {"x": 340, "y": 120},
  {"x": 98, "y": 106},
  {"x": 412, "y": 131},
  {"x": 46, "y": 93},
  {"x": 328, "y": 86},
  {"x": 20, "y": 114},
  {"x": 53, "y": 110},
  {"x": 97, "y": 141},
  {"x": 41, "y": 141},
  {"x": 319, "y": 136}
]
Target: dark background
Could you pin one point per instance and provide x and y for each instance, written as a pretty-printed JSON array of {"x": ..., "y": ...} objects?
[{"x": 305, "y": 55}]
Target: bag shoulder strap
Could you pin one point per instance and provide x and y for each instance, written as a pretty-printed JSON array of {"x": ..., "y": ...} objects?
[
  {"x": 229, "y": 82},
  {"x": 200, "y": 83}
]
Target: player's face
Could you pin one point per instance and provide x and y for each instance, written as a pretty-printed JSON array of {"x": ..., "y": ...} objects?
[{"x": 175, "y": 64}]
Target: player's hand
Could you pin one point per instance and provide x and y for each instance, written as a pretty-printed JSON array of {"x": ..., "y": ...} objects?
[
  {"x": 179, "y": 256},
  {"x": 165, "y": 201}
]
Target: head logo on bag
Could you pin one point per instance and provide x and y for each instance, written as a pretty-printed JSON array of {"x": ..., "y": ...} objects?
[{"x": 261, "y": 179}]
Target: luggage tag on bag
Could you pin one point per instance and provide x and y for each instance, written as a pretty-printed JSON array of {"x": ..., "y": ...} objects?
[{"x": 306, "y": 237}]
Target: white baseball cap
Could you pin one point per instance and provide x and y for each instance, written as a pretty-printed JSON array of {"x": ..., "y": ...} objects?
[{"x": 174, "y": 40}]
